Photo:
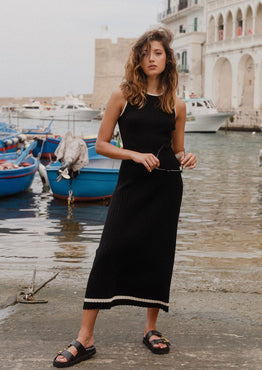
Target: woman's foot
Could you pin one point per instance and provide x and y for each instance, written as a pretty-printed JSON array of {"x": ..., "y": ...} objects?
[
  {"x": 156, "y": 342},
  {"x": 86, "y": 343}
]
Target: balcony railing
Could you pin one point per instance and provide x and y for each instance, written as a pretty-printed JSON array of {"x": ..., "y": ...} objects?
[
  {"x": 183, "y": 68},
  {"x": 181, "y": 7}
]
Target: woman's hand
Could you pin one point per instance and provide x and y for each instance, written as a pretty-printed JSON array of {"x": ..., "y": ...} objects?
[
  {"x": 147, "y": 159},
  {"x": 189, "y": 161}
]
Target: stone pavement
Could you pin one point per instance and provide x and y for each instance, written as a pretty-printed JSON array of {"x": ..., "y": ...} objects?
[{"x": 208, "y": 330}]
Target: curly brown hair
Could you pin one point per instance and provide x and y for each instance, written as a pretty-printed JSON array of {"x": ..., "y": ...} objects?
[{"x": 134, "y": 86}]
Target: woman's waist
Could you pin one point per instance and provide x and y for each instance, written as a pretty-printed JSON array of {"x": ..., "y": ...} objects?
[
  {"x": 148, "y": 147},
  {"x": 164, "y": 153}
]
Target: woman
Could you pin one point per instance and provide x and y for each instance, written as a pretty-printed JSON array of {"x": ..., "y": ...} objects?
[{"x": 134, "y": 261}]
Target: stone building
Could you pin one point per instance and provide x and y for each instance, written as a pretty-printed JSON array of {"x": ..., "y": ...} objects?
[
  {"x": 187, "y": 20},
  {"x": 220, "y": 40},
  {"x": 110, "y": 59},
  {"x": 234, "y": 53}
]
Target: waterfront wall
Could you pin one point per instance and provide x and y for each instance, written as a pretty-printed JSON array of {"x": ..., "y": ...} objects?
[{"x": 244, "y": 120}]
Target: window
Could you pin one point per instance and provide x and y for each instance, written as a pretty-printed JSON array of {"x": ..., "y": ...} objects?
[
  {"x": 221, "y": 32},
  {"x": 181, "y": 29},
  {"x": 182, "y": 4},
  {"x": 195, "y": 24},
  {"x": 184, "y": 58},
  {"x": 70, "y": 107}
]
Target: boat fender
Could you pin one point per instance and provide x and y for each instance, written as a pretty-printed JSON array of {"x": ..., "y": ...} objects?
[{"x": 44, "y": 178}]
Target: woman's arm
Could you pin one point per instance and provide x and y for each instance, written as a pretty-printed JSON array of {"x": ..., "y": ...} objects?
[
  {"x": 189, "y": 159},
  {"x": 113, "y": 110}
]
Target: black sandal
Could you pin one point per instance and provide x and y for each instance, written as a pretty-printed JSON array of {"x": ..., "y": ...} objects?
[
  {"x": 150, "y": 344},
  {"x": 82, "y": 355}
]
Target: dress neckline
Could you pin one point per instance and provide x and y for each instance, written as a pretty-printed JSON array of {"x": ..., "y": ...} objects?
[{"x": 154, "y": 94}]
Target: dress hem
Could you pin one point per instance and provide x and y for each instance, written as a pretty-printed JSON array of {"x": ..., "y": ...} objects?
[{"x": 122, "y": 302}]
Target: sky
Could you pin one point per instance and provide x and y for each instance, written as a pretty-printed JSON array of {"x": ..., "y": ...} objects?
[{"x": 48, "y": 47}]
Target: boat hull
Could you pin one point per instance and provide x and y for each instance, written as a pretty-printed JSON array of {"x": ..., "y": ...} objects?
[
  {"x": 95, "y": 181},
  {"x": 81, "y": 115},
  {"x": 205, "y": 122},
  {"x": 17, "y": 180}
]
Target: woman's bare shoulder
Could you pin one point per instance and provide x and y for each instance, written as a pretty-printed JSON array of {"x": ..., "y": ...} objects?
[
  {"x": 180, "y": 106},
  {"x": 116, "y": 101},
  {"x": 118, "y": 94}
]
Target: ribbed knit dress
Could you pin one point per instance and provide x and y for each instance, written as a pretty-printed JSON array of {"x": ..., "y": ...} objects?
[{"x": 134, "y": 261}]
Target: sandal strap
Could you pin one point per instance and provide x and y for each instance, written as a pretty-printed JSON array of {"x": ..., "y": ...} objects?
[
  {"x": 80, "y": 348},
  {"x": 161, "y": 340},
  {"x": 153, "y": 332},
  {"x": 68, "y": 355}
]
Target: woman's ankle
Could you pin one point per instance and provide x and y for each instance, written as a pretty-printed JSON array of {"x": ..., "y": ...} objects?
[
  {"x": 149, "y": 328},
  {"x": 86, "y": 339}
]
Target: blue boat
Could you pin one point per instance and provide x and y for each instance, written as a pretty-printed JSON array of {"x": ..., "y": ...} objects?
[
  {"x": 48, "y": 145},
  {"x": 19, "y": 173},
  {"x": 9, "y": 138},
  {"x": 38, "y": 130},
  {"x": 95, "y": 181}
]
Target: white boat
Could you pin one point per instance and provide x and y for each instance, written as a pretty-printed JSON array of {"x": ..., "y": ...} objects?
[
  {"x": 202, "y": 115},
  {"x": 70, "y": 108},
  {"x": 9, "y": 110}
]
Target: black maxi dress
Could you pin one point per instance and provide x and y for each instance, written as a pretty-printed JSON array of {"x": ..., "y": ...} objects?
[{"x": 134, "y": 261}]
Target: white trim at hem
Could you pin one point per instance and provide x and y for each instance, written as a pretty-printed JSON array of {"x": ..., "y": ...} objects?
[{"x": 109, "y": 300}]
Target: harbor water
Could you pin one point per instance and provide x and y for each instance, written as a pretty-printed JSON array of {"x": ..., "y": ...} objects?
[{"x": 219, "y": 243}]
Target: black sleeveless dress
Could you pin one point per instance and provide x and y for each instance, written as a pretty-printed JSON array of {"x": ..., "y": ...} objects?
[{"x": 134, "y": 261}]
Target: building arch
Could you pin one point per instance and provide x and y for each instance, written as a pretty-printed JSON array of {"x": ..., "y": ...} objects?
[
  {"x": 222, "y": 83},
  {"x": 229, "y": 26},
  {"x": 211, "y": 29},
  {"x": 258, "y": 22},
  {"x": 249, "y": 21},
  {"x": 220, "y": 26},
  {"x": 246, "y": 81},
  {"x": 239, "y": 22}
]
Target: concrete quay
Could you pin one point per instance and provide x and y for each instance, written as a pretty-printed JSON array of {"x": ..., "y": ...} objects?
[{"x": 208, "y": 330}]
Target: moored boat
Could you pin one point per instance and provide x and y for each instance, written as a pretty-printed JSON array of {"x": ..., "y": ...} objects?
[
  {"x": 47, "y": 146},
  {"x": 97, "y": 180},
  {"x": 71, "y": 108},
  {"x": 9, "y": 138},
  {"x": 202, "y": 115},
  {"x": 17, "y": 172}
]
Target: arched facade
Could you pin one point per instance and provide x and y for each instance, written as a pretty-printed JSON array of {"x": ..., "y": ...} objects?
[
  {"x": 245, "y": 81},
  {"x": 258, "y": 27},
  {"x": 222, "y": 83},
  {"x": 211, "y": 29},
  {"x": 249, "y": 21},
  {"x": 229, "y": 26},
  {"x": 237, "y": 21},
  {"x": 235, "y": 53}
]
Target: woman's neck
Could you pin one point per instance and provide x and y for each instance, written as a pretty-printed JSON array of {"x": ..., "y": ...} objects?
[{"x": 153, "y": 86}]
